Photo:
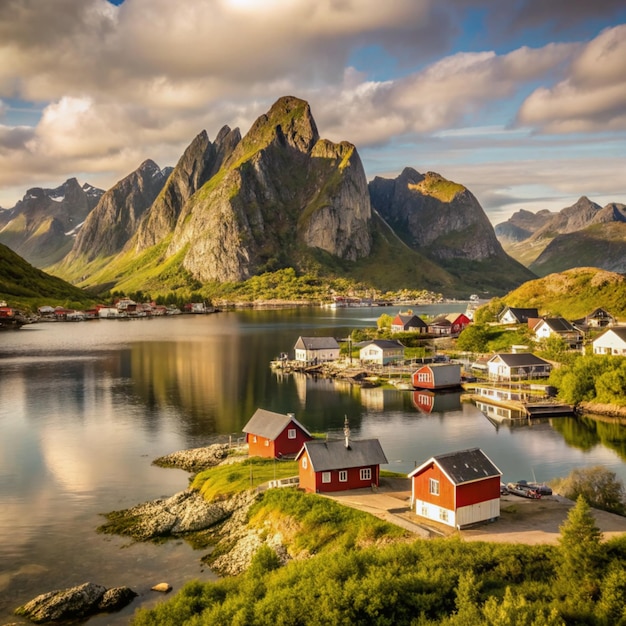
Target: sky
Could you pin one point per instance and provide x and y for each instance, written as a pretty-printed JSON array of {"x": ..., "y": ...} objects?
[{"x": 523, "y": 101}]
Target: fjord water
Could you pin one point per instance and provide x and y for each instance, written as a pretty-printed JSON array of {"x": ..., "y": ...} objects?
[{"x": 85, "y": 408}]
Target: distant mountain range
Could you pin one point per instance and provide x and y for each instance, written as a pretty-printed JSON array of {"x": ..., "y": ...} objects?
[
  {"x": 278, "y": 197},
  {"x": 584, "y": 234}
]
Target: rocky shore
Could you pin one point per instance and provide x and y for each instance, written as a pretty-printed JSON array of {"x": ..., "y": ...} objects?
[{"x": 221, "y": 524}]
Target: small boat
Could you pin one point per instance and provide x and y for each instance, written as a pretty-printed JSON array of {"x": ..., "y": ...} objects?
[
  {"x": 542, "y": 488},
  {"x": 523, "y": 489}
]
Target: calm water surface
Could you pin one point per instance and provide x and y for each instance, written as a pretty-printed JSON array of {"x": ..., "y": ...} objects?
[{"x": 85, "y": 408}]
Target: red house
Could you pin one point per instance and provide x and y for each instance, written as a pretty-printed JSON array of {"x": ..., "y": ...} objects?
[
  {"x": 326, "y": 466},
  {"x": 437, "y": 376},
  {"x": 274, "y": 435},
  {"x": 457, "y": 488}
]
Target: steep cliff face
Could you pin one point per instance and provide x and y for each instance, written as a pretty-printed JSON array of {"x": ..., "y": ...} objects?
[
  {"x": 41, "y": 227},
  {"x": 438, "y": 217},
  {"x": 116, "y": 217},
  {"x": 200, "y": 161},
  {"x": 281, "y": 191}
]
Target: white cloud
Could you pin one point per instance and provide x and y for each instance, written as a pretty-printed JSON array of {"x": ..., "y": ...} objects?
[{"x": 593, "y": 96}]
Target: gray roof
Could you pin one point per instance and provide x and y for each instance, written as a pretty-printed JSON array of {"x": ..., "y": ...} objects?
[
  {"x": 333, "y": 455},
  {"x": 385, "y": 344},
  {"x": 270, "y": 425},
  {"x": 464, "y": 466},
  {"x": 557, "y": 324},
  {"x": 519, "y": 359},
  {"x": 316, "y": 343},
  {"x": 413, "y": 320},
  {"x": 521, "y": 314}
]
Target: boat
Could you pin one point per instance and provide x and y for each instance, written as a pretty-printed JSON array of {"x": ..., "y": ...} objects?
[
  {"x": 523, "y": 489},
  {"x": 542, "y": 488}
]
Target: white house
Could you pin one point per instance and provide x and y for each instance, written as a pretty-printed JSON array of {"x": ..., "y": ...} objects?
[
  {"x": 316, "y": 349},
  {"x": 515, "y": 315},
  {"x": 558, "y": 327},
  {"x": 510, "y": 366},
  {"x": 611, "y": 341},
  {"x": 382, "y": 351}
]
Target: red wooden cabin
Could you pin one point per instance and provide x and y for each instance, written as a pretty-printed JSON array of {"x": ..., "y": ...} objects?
[
  {"x": 437, "y": 376},
  {"x": 326, "y": 466},
  {"x": 457, "y": 488},
  {"x": 275, "y": 435}
]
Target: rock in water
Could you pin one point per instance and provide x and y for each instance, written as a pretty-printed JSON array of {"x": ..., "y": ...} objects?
[
  {"x": 75, "y": 602},
  {"x": 162, "y": 587}
]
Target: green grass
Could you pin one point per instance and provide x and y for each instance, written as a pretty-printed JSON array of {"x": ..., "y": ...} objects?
[{"x": 224, "y": 481}]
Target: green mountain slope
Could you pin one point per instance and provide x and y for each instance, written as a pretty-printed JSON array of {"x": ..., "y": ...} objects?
[{"x": 25, "y": 286}]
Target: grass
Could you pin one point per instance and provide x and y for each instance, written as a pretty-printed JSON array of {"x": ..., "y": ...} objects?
[{"x": 224, "y": 481}]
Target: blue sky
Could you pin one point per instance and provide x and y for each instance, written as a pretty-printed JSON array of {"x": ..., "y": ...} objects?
[{"x": 523, "y": 101}]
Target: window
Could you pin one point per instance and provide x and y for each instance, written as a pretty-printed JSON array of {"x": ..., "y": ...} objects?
[
  {"x": 267, "y": 443},
  {"x": 253, "y": 438},
  {"x": 423, "y": 377},
  {"x": 443, "y": 515},
  {"x": 366, "y": 474},
  {"x": 305, "y": 463},
  {"x": 343, "y": 476},
  {"x": 291, "y": 433},
  {"x": 433, "y": 486},
  {"x": 325, "y": 477}
]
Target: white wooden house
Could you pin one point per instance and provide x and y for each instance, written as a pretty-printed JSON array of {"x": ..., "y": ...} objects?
[
  {"x": 316, "y": 349},
  {"x": 611, "y": 341},
  {"x": 510, "y": 366},
  {"x": 382, "y": 351}
]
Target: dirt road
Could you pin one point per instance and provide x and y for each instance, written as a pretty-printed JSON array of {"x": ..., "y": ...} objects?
[{"x": 521, "y": 520}]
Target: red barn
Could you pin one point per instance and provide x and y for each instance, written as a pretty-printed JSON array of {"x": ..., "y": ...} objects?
[
  {"x": 437, "y": 376},
  {"x": 457, "y": 488},
  {"x": 274, "y": 434},
  {"x": 326, "y": 466}
]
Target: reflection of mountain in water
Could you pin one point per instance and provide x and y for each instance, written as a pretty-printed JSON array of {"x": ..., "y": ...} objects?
[{"x": 588, "y": 431}]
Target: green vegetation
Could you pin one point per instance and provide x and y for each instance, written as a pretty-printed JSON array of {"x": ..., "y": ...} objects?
[
  {"x": 224, "y": 481},
  {"x": 360, "y": 574},
  {"x": 571, "y": 294},
  {"x": 592, "y": 378},
  {"x": 597, "y": 485},
  {"x": 438, "y": 187},
  {"x": 26, "y": 287}
]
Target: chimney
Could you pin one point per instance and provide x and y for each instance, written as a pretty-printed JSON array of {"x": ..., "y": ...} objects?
[{"x": 346, "y": 432}]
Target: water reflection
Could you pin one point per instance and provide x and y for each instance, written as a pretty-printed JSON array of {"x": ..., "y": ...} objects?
[{"x": 85, "y": 408}]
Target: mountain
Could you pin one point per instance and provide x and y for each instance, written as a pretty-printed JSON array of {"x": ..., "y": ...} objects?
[
  {"x": 115, "y": 218},
  {"x": 584, "y": 234},
  {"x": 283, "y": 197},
  {"x": 444, "y": 221},
  {"x": 23, "y": 285},
  {"x": 42, "y": 226}
]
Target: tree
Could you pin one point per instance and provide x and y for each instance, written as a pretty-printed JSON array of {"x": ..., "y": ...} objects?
[
  {"x": 473, "y": 338},
  {"x": 580, "y": 552},
  {"x": 599, "y": 486}
]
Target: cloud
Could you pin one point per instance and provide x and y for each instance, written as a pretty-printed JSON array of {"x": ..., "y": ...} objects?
[{"x": 593, "y": 96}]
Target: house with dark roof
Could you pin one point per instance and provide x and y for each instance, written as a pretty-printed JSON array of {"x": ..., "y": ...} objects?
[
  {"x": 316, "y": 349},
  {"x": 326, "y": 466},
  {"x": 598, "y": 318},
  {"x": 558, "y": 327},
  {"x": 275, "y": 435},
  {"x": 457, "y": 488},
  {"x": 441, "y": 325},
  {"x": 611, "y": 341},
  {"x": 408, "y": 323},
  {"x": 381, "y": 351},
  {"x": 517, "y": 366},
  {"x": 437, "y": 376},
  {"x": 515, "y": 315}
]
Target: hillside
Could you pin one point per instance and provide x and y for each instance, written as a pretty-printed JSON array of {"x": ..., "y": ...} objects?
[
  {"x": 573, "y": 293},
  {"x": 25, "y": 286}
]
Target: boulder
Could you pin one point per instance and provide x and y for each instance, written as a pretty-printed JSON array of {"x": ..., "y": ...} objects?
[
  {"x": 75, "y": 602},
  {"x": 162, "y": 587}
]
